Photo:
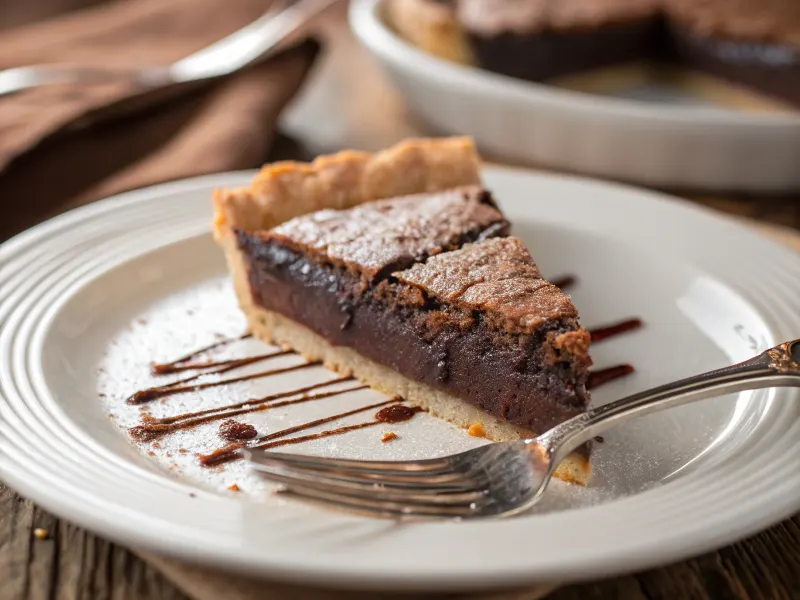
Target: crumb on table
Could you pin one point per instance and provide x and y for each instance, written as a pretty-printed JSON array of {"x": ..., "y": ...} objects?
[
  {"x": 40, "y": 534},
  {"x": 476, "y": 430},
  {"x": 389, "y": 436}
]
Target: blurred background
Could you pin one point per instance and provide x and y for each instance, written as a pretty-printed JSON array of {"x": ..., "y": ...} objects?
[{"x": 67, "y": 144}]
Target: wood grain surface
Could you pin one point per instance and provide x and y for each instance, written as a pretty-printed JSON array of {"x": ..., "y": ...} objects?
[{"x": 351, "y": 104}]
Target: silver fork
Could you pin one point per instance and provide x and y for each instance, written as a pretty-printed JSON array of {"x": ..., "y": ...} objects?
[
  {"x": 237, "y": 51},
  {"x": 502, "y": 479}
]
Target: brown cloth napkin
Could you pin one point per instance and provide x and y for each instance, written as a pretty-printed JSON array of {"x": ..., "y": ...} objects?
[{"x": 60, "y": 146}]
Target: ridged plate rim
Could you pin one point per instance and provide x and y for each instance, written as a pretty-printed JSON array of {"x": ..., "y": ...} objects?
[{"x": 61, "y": 470}]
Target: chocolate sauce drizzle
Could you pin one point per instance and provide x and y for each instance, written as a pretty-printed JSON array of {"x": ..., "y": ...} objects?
[
  {"x": 598, "y": 378},
  {"x": 564, "y": 282},
  {"x": 607, "y": 331},
  {"x": 177, "y": 387},
  {"x": 254, "y": 402},
  {"x": 184, "y": 362},
  {"x": 396, "y": 413},
  {"x": 599, "y": 334},
  {"x": 153, "y": 428},
  {"x": 234, "y": 451}
]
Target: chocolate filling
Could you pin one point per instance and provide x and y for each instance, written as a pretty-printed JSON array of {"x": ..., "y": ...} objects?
[
  {"x": 769, "y": 67},
  {"x": 522, "y": 379},
  {"x": 552, "y": 54}
]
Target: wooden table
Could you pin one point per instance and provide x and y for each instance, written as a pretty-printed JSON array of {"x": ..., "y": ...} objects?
[{"x": 350, "y": 103}]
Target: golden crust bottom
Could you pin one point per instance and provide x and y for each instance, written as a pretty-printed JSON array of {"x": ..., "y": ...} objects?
[{"x": 275, "y": 328}]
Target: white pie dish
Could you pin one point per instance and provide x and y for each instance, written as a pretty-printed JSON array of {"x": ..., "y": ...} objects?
[{"x": 654, "y": 144}]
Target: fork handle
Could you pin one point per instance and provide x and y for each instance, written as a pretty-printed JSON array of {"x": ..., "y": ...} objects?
[{"x": 777, "y": 367}]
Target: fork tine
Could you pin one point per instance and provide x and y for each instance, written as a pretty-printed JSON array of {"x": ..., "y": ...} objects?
[
  {"x": 424, "y": 467},
  {"x": 417, "y": 494},
  {"x": 372, "y": 511},
  {"x": 454, "y": 483},
  {"x": 387, "y": 507},
  {"x": 441, "y": 478}
]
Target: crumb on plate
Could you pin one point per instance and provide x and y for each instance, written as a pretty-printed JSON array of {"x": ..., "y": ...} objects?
[
  {"x": 232, "y": 430},
  {"x": 389, "y": 436},
  {"x": 476, "y": 430}
]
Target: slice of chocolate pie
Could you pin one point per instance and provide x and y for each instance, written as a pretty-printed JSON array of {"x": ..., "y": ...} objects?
[{"x": 420, "y": 295}]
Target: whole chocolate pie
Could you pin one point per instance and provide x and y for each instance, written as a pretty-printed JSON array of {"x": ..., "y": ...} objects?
[
  {"x": 749, "y": 43},
  {"x": 397, "y": 268}
]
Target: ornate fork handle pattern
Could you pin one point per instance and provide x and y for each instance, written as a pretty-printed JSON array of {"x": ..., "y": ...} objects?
[{"x": 776, "y": 367}]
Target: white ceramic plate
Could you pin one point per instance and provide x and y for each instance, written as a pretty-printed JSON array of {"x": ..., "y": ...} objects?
[
  {"x": 89, "y": 298},
  {"x": 659, "y": 144}
]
